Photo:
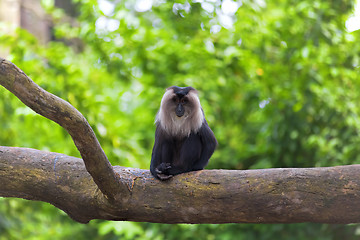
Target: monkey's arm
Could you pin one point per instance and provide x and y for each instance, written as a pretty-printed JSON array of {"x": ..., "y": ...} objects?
[
  {"x": 156, "y": 153},
  {"x": 158, "y": 168},
  {"x": 161, "y": 156},
  {"x": 209, "y": 144}
]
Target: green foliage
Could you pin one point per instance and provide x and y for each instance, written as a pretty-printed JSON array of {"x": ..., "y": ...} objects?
[{"x": 277, "y": 80}]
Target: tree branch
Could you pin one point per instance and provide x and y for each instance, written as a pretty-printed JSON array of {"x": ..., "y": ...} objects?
[
  {"x": 63, "y": 113},
  {"x": 326, "y": 195}
]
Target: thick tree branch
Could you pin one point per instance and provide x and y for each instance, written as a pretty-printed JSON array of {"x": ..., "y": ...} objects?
[
  {"x": 326, "y": 195},
  {"x": 63, "y": 113}
]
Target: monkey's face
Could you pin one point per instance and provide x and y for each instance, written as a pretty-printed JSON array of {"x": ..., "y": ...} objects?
[
  {"x": 180, "y": 104},
  {"x": 180, "y": 111},
  {"x": 182, "y": 101}
]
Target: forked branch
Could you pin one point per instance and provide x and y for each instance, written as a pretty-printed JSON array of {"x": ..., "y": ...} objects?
[
  {"x": 63, "y": 113},
  {"x": 326, "y": 195}
]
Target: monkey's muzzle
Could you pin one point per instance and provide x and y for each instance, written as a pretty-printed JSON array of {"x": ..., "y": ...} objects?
[{"x": 180, "y": 110}]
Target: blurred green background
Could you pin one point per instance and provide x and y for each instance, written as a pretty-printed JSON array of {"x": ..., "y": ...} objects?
[{"x": 278, "y": 81}]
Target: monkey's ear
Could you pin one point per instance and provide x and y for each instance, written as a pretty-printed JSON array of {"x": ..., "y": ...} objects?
[
  {"x": 193, "y": 90},
  {"x": 169, "y": 88}
]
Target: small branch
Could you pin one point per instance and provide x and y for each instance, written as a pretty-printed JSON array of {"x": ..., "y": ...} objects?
[
  {"x": 324, "y": 195},
  {"x": 63, "y": 113}
]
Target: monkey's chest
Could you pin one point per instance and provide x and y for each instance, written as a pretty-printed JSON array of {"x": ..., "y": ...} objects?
[
  {"x": 176, "y": 152},
  {"x": 182, "y": 154}
]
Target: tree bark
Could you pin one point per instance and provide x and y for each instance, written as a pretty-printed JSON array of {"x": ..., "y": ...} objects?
[
  {"x": 324, "y": 195},
  {"x": 63, "y": 113},
  {"x": 90, "y": 188}
]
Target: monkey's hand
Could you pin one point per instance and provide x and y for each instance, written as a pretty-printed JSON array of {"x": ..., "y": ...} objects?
[{"x": 162, "y": 171}]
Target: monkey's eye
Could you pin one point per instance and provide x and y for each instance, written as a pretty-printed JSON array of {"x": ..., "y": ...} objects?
[
  {"x": 184, "y": 100},
  {"x": 174, "y": 99}
]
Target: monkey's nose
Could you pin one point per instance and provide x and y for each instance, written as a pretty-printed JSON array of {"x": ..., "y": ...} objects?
[{"x": 180, "y": 110}]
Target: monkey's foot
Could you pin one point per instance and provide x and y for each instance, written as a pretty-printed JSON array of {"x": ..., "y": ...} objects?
[
  {"x": 163, "y": 177},
  {"x": 161, "y": 171}
]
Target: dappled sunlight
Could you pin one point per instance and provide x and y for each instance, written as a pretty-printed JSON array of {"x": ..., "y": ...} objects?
[{"x": 353, "y": 23}]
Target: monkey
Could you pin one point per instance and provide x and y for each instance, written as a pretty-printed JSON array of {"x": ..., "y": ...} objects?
[{"x": 184, "y": 141}]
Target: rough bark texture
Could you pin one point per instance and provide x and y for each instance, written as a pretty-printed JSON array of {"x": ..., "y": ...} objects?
[
  {"x": 326, "y": 195},
  {"x": 63, "y": 113},
  {"x": 96, "y": 190}
]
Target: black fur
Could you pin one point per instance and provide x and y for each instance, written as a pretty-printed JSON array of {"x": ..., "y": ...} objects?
[
  {"x": 172, "y": 155},
  {"x": 181, "y": 91}
]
